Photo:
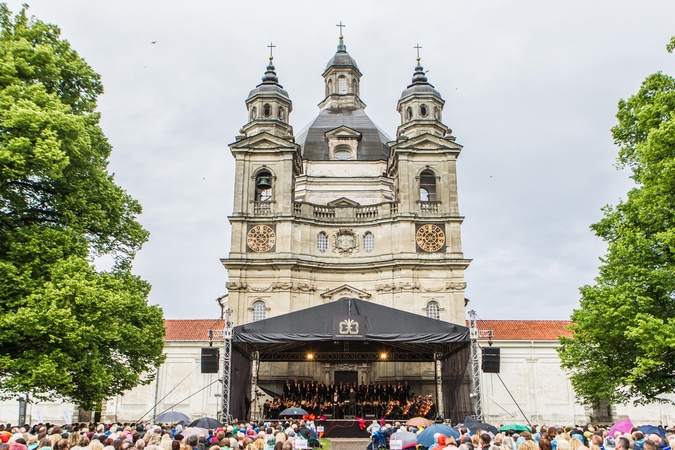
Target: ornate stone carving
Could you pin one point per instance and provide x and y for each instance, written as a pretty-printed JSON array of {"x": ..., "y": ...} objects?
[
  {"x": 345, "y": 242},
  {"x": 277, "y": 286},
  {"x": 406, "y": 286}
]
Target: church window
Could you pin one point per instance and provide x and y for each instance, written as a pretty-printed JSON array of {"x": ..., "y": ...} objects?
[
  {"x": 437, "y": 113},
  {"x": 322, "y": 242},
  {"x": 342, "y": 86},
  {"x": 355, "y": 86},
  {"x": 263, "y": 186},
  {"x": 267, "y": 110},
  {"x": 259, "y": 310},
  {"x": 423, "y": 110},
  {"x": 368, "y": 241},
  {"x": 342, "y": 153},
  {"x": 427, "y": 186},
  {"x": 433, "y": 310},
  {"x": 254, "y": 113},
  {"x": 408, "y": 113},
  {"x": 281, "y": 113},
  {"x": 329, "y": 88}
]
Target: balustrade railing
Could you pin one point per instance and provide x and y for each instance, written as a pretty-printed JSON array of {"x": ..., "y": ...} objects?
[
  {"x": 429, "y": 207},
  {"x": 262, "y": 208}
]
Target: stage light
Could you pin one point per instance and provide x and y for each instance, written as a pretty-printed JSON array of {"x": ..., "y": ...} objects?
[
  {"x": 310, "y": 355},
  {"x": 383, "y": 355}
]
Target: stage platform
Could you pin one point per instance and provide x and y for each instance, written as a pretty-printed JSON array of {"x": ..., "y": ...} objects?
[{"x": 342, "y": 428}]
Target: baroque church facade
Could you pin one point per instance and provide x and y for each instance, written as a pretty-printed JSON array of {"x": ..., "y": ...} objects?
[{"x": 340, "y": 209}]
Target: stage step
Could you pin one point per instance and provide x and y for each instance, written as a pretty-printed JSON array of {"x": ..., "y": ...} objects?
[{"x": 348, "y": 443}]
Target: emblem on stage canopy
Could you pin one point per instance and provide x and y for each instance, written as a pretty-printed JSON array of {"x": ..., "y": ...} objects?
[
  {"x": 430, "y": 237},
  {"x": 261, "y": 238},
  {"x": 345, "y": 242},
  {"x": 349, "y": 326}
]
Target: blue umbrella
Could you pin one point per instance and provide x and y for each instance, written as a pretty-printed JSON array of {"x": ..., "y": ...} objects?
[
  {"x": 426, "y": 437},
  {"x": 649, "y": 429}
]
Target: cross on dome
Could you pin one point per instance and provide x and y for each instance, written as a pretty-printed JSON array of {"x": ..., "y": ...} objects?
[
  {"x": 271, "y": 47},
  {"x": 341, "y": 26},
  {"x": 418, "y": 47}
]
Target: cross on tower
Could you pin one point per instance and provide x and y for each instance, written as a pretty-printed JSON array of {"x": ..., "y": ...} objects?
[
  {"x": 271, "y": 47},
  {"x": 418, "y": 50},
  {"x": 341, "y": 27}
]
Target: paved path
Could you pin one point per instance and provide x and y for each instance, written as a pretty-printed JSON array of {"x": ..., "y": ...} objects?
[{"x": 348, "y": 444}]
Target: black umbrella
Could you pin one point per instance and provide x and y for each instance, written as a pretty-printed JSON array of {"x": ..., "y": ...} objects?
[
  {"x": 206, "y": 422},
  {"x": 173, "y": 417},
  {"x": 293, "y": 412},
  {"x": 474, "y": 425}
]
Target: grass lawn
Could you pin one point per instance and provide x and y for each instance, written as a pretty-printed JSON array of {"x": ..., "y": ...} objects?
[{"x": 325, "y": 443}]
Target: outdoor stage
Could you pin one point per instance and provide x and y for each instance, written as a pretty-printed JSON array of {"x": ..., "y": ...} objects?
[{"x": 352, "y": 330}]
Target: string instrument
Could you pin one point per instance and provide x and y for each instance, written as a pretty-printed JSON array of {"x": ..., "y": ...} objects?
[
  {"x": 389, "y": 409},
  {"x": 425, "y": 407},
  {"x": 406, "y": 408}
]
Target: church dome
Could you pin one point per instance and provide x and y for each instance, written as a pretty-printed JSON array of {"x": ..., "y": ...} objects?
[
  {"x": 420, "y": 84},
  {"x": 341, "y": 59},
  {"x": 371, "y": 147},
  {"x": 270, "y": 84}
]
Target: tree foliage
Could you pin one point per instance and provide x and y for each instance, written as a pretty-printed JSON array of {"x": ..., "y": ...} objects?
[
  {"x": 66, "y": 329},
  {"x": 623, "y": 344}
]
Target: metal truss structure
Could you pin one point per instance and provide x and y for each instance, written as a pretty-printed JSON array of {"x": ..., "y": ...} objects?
[{"x": 475, "y": 334}]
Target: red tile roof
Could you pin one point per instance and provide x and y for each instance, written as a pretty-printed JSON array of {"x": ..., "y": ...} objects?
[
  {"x": 525, "y": 330},
  {"x": 191, "y": 329},
  {"x": 503, "y": 330}
]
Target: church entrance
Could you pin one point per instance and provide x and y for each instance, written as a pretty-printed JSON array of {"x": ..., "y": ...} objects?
[{"x": 347, "y": 377}]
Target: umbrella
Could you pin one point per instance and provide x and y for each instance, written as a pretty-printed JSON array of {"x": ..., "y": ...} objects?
[
  {"x": 514, "y": 427},
  {"x": 474, "y": 425},
  {"x": 194, "y": 431},
  {"x": 206, "y": 422},
  {"x": 290, "y": 412},
  {"x": 426, "y": 437},
  {"x": 419, "y": 422},
  {"x": 173, "y": 417},
  {"x": 649, "y": 429},
  {"x": 624, "y": 426},
  {"x": 407, "y": 438}
]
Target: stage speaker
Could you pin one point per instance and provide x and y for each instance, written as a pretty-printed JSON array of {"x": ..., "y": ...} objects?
[
  {"x": 210, "y": 357},
  {"x": 490, "y": 360}
]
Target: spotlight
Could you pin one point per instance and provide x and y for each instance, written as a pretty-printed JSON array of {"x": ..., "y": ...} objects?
[
  {"x": 310, "y": 355},
  {"x": 383, "y": 355}
]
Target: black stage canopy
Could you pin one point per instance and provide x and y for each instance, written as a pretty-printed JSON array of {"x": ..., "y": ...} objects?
[{"x": 350, "y": 329}]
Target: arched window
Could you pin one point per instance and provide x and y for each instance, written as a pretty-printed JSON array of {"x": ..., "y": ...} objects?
[
  {"x": 368, "y": 241},
  {"x": 342, "y": 152},
  {"x": 329, "y": 88},
  {"x": 263, "y": 186},
  {"x": 427, "y": 186},
  {"x": 254, "y": 113},
  {"x": 259, "y": 310},
  {"x": 355, "y": 86},
  {"x": 408, "y": 113},
  {"x": 433, "y": 310},
  {"x": 437, "y": 113},
  {"x": 342, "y": 85},
  {"x": 281, "y": 114},
  {"x": 322, "y": 242},
  {"x": 423, "y": 110},
  {"x": 267, "y": 110}
]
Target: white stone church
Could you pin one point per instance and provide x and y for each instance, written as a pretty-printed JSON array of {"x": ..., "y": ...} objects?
[{"x": 337, "y": 210}]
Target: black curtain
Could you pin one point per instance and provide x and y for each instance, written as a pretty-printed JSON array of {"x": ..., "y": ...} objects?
[
  {"x": 456, "y": 374},
  {"x": 240, "y": 383}
]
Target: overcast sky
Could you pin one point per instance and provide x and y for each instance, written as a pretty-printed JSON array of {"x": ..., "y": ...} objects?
[{"x": 531, "y": 89}]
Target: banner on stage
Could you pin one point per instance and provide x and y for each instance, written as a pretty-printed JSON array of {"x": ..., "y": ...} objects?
[
  {"x": 349, "y": 327},
  {"x": 396, "y": 444}
]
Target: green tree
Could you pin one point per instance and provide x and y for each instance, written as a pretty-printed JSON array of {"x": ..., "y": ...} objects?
[
  {"x": 623, "y": 343},
  {"x": 66, "y": 329}
]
